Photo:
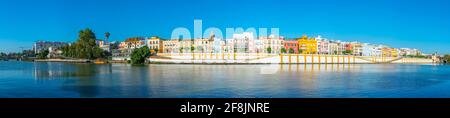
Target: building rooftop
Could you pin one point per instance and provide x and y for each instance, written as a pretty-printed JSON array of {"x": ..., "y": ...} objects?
[{"x": 134, "y": 39}]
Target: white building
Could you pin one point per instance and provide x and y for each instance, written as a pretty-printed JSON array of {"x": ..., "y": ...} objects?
[
  {"x": 275, "y": 43},
  {"x": 409, "y": 52},
  {"x": 322, "y": 45},
  {"x": 336, "y": 47},
  {"x": 219, "y": 45},
  {"x": 184, "y": 46},
  {"x": 242, "y": 43},
  {"x": 170, "y": 46},
  {"x": 370, "y": 50}
]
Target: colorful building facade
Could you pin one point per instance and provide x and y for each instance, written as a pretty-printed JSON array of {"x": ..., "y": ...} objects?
[
  {"x": 155, "y": 43},
  {"x": 307, "y": 45},
  {"x": 170, "y": 46},
  {"x": 322, "y": 45},
  {"x": 291, "y": 45},
  {"x": 132, "y": 43},
  {"x": 275, "y": 43}
]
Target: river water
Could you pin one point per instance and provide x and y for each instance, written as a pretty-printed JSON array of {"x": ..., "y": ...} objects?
[{"x": 67, "y": 80}]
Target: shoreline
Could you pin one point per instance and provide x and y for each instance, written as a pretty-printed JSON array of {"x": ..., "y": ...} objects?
[
  {"x": 168, "y": 63},
  {"x": 226, "y": 59},
  {"x": 205, "y": 62},
  {"x": 64, "y": 60}
]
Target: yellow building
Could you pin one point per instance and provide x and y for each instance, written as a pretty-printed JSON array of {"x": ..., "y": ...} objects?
[
  {"x": 394, "y": 52},
  {"x": 308, "y": 46},
  {"x": 390, "y": 52},
  {"x": 155, "y": 43}
]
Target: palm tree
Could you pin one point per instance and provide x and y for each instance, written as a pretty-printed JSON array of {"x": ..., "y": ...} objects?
[{"x": 107, "y": 34}]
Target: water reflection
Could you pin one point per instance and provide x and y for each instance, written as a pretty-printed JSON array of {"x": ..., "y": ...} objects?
[
  {"x": 288, "y": 80},
  {"x": 47, "y": 70}
]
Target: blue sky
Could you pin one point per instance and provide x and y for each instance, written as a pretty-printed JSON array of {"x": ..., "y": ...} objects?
[{"x": 422, "y": 24}]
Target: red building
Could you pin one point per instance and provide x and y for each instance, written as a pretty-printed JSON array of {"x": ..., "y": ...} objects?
[{"x": 291, "y": 44}]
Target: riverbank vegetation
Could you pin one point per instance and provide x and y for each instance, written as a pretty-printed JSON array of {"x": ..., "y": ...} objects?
[
  {"x": 3, "y": 56},
  {"x": 446, "y": 58},
  {"x": 347, "y": 52},
  {"x": 139, "y": 55},
  {"x": 85, "y": 47},
  {"x": 415, "y": 56},
  {"x": 24, "y": 56},
  {"x": 42, "y": 55}
]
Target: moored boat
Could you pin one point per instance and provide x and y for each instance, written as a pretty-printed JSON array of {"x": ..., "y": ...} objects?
[{"x": 100, "y": 61}]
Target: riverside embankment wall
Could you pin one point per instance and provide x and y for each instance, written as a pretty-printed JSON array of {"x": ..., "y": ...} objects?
[{"x": 245, "y": 58}]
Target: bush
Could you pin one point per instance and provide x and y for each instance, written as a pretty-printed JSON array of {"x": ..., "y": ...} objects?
[
  {"x": 347, "y": 52},
  {"x": 291, "y": 51},
  {"x": 139, "y": 55},
  {"x": 269, "y": 50},
  {"x": 283, "y": 50}
]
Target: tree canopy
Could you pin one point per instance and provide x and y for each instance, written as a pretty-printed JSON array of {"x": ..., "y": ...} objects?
[
  {"x": 447, "y": 58},
  {"x": 283, "y": 50},
  {"x": 139, "y": 55},
  {"x": 85, "y": 47},
  {"x": 43, "y": 54},
  {"x": 347, "y": 52}
]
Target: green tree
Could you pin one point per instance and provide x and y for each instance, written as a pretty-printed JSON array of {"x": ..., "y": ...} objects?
[
  {"x": 139, "y": 55},
  {"x": 347, "y": 52},
  {"x": 85, "y": 47},
  {"x": 291, "y": 51},
  {"x": 156, "y": 50},
  {"x": 192, "y": 49},
  {"x": 283, "y": 50},
  {"x": 181, "y": 50},
  {"x": 43, "y": 54},
  {"x": 107, "y": 34},
  {"x": 446, "y": 58},
  {"x": 97, "y": 52},
  {"x": 269, "y": 50},
  {"x": 300, "y": 51}
]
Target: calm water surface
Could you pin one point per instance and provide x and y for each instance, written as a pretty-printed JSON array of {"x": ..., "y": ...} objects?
[{"x": 64, "y": 80}]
